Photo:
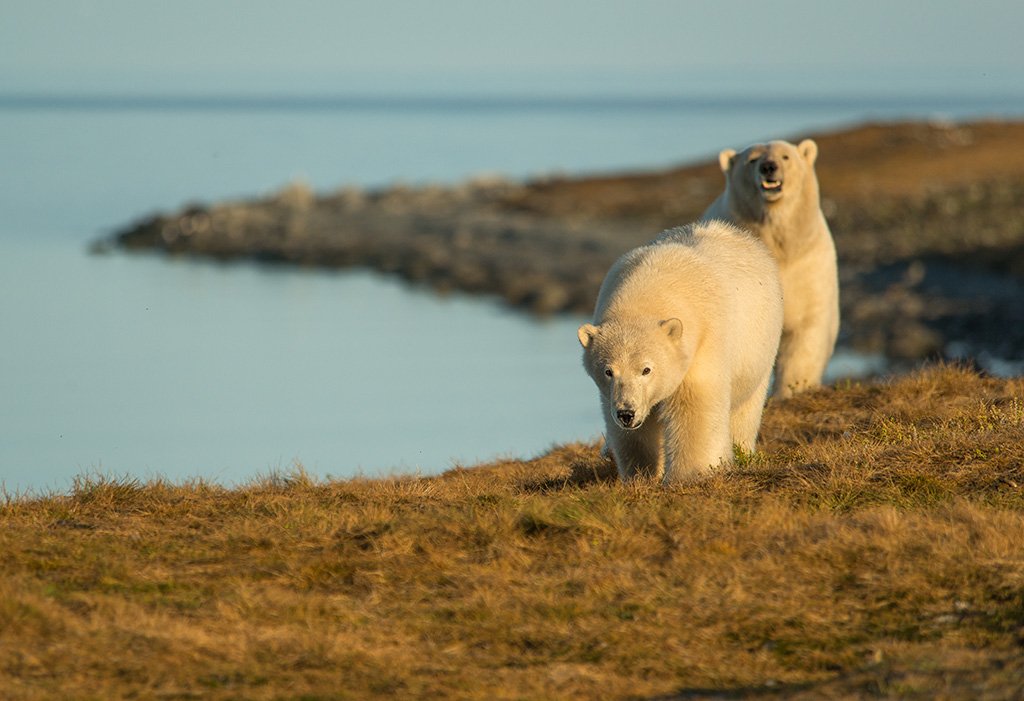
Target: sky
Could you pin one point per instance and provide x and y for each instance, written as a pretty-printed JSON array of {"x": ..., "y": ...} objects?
[{"x": 150, "y": 45}]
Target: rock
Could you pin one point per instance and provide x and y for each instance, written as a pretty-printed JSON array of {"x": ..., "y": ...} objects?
[
  {"x": 295, "y": 195},
  {"x": 914, "y": 341}
]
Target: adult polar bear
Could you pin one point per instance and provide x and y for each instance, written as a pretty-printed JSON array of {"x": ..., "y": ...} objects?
[
  {"x": 681, "y": 349},
  {"x": 772, "y": 190}
]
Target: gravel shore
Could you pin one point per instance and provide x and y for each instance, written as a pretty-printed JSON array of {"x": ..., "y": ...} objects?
[{"x": 928, "y": 220}]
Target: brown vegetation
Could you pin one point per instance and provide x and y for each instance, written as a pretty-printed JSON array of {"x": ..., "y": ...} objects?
[{"x": 871, "y": 549}]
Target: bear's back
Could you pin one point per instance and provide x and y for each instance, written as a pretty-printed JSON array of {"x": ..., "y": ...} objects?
[
  {"x": 703, "y": 265},
  {"x": 723, "y": 245}
]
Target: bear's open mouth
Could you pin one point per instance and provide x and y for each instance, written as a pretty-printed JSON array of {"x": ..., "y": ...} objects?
[{"x": 771, "y": 189}]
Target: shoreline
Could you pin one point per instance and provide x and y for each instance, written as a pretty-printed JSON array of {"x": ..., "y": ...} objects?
[{"x": 928, "y": 220}]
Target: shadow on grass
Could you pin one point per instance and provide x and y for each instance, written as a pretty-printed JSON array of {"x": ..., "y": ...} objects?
[
  {"x": 584, "y": 470},
  {"x": 746, "y": 692}
]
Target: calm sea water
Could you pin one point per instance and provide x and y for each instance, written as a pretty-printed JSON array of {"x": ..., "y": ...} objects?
[{"x": 143, "y": 366}]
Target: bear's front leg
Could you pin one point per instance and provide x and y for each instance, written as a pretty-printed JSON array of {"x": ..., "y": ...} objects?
[
  {"x": 637, "y": 453},
  {"x": 810, "y": 328},
  {"x": 697, "y": 438},
  {"x": 745, "y": 421},
  {"x": 803, "y": 356}
]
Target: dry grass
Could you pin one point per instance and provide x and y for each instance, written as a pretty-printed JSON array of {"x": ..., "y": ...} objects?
[{"x": 875, "y": 547}]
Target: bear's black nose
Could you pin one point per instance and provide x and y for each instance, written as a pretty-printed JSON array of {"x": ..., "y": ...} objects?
[
  {"x": 625, "y": 416},
  {"x": 768, "y": 168}
]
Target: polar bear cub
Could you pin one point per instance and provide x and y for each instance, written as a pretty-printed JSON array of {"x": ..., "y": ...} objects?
[
  {"x": 681, "y": 349},
  {"x": 772, "y": 190}
]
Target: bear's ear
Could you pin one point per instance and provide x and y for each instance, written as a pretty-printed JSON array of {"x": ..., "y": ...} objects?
[
  {"x": 725, "y": 159},
  {"x": 586, "y": 334},
  {"x": 673, "y": 328},
  {"x": 809, "y": 150}
]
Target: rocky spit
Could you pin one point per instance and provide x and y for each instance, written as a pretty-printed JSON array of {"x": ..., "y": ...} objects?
[{"x": 928, "y": 220}]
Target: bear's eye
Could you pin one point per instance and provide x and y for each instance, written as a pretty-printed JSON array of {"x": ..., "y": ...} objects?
[
  {"x": 646, "y": 371},
  {"x": 608, "y": 372},
  {"x": 785, "y": 157}
]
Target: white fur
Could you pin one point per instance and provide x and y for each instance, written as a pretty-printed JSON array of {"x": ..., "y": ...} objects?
[
  {"x": 701, "y": 309},
  {"x": 791, "y": 224}
]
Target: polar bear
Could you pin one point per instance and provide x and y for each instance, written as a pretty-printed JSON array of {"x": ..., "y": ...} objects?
[
  {"x": 772, "y": 190},
  {"x": 681, "y": 349}
]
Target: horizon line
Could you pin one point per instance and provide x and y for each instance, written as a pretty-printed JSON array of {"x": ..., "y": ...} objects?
[{"x": 480, "y": 102}]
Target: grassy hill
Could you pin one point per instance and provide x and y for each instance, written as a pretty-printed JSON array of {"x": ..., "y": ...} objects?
[{"x": 873, "y": 548}]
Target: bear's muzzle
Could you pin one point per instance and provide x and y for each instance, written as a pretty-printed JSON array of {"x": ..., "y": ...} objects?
[
  {"x": 770, "y": 179},
  {"x": 627, "y": 419}
]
